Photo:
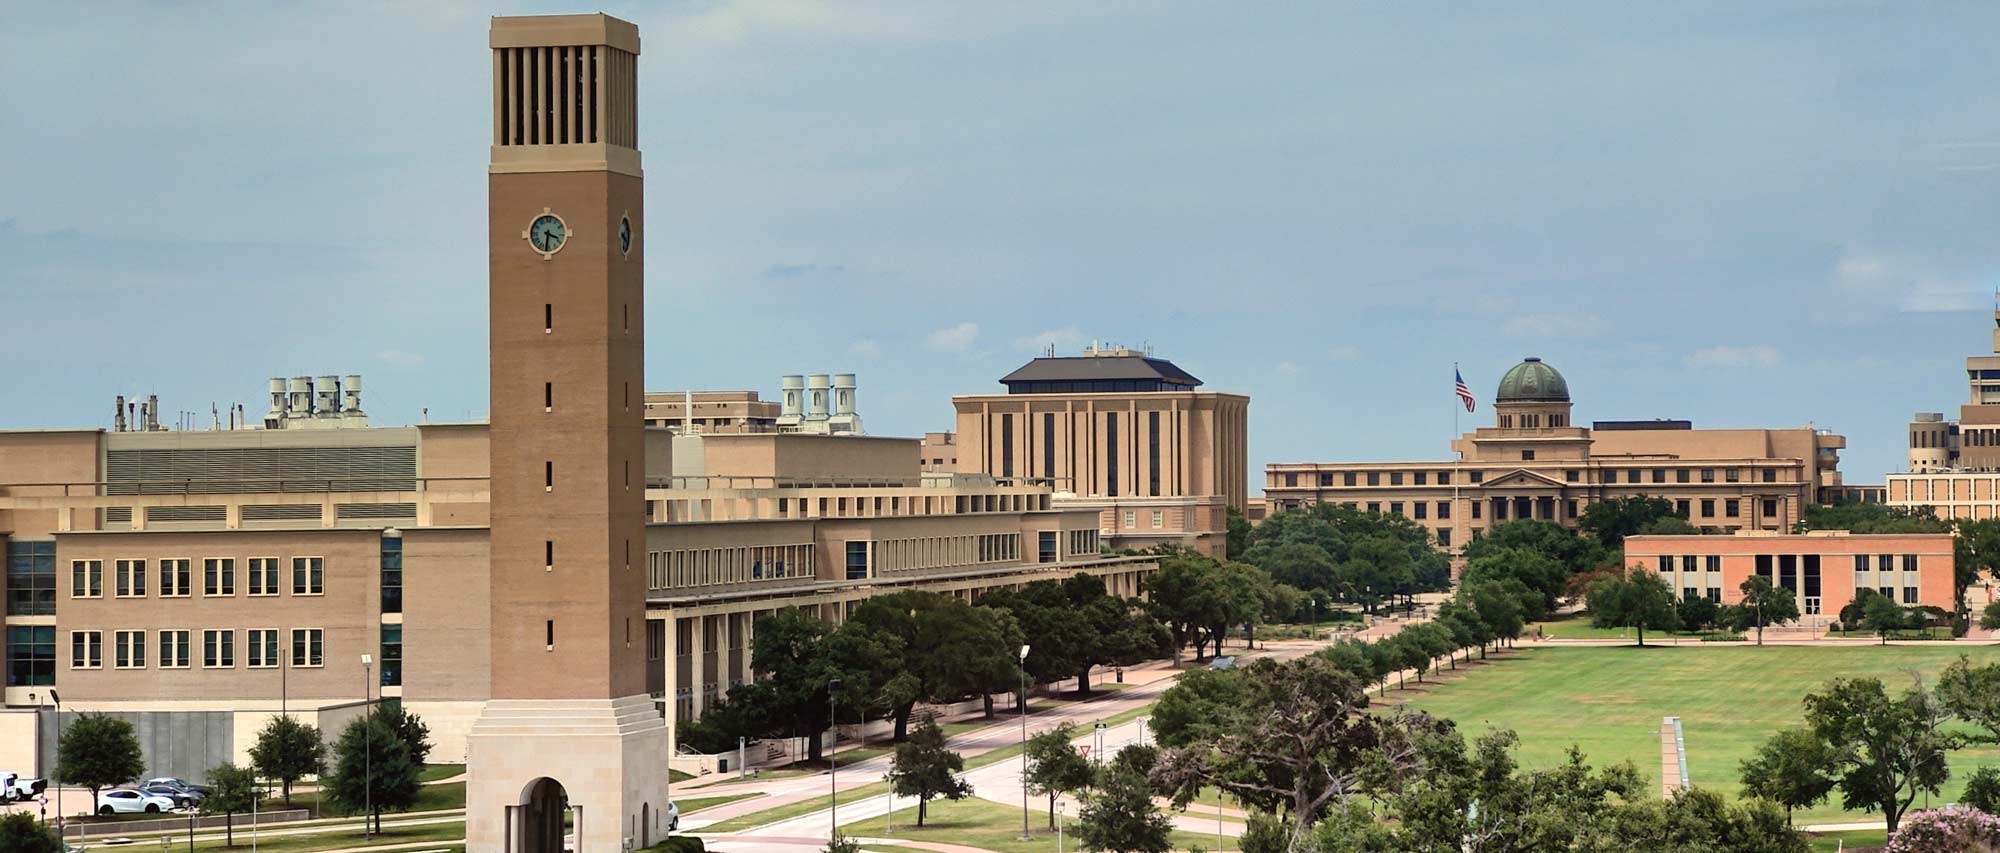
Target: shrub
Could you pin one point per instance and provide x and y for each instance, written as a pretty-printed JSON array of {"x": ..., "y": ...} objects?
[
  {"x": 1952, "y": 829},
  {"x": 678, "y": 844},
  {"x": 1722, "y": 637}
]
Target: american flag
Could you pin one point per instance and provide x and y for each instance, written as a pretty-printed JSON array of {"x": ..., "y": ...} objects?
[{"x": 1464, "y": 393}]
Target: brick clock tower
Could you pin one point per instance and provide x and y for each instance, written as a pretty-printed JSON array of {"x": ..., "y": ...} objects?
[{"x": 570, "y": 727}]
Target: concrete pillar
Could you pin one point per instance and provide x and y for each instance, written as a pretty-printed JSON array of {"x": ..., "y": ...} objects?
[
  {"x": 698, "y": 673},
  {"x": 670, "y": 671},
  {"x": 232, "y": 516},
  {"x": 749, "y": 645}
]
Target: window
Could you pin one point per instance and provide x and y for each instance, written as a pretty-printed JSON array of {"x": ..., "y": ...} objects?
[
  {"x": 1909, "y": 595},
  {"x": 218, "y": 649},
  {"x": 129, "y": 650},
  {"x": 1111, "y": 453},
  {"x": 131, "y": 578},
  {"x": 1659, "y": 475},
  {"x": 1708, "y": 475},
  {"x": 1731, "y": 475},
  {"x": 1475, "y": 510},
  {"x": 392, "y": 574},
  {"x": 392, "y": 655},
  {"x": 1570, "y": 475},
  {"x": 1770, "y": 475},
  {"x": 857, "y": 560},
  {"x": 1477, "y": 476},
  {"x": 1420, "y": 477},
  {"x": 1395, "y": 507},
  {"x": 1909, "y": 562},
  {"x": 263, "y": 576},
  {"x": 1159, "y": 519},
  {"x": 1770, "y": 508},
  {"x": 1129, "y": 522},
  {"x": 1153, "y": 452},
  {"x": 1047, "y": 540},
  {"x": 1444, "y": 478},
  {"x": 1680, "y": 475},
  {"x": 1570, "y": 509},
  {"x": 1527, "y": 456},
  {"x": 31, "y": 650},
  {"x": 1444, "y": 537},
  {"x": 1048, "y": 445},
  {"x": 1374, "y": 506},
  {"x": 173, "y": 650},
  {"x": 86, "y": 650},
  {"x": 308, "y": 576},
  {"x": 218, "y": 576},
  {"x": 174, "y": 581},
  {"x": 1610, "y": 475},
  {"x": 86, "y": 579},
  {"x": 1395, "y": 478},
  {"x": 1632, "y": 476},
  {"x": 1712, "y": 563},
  {"x": 1506, "y": 421},
  {"x": 1708, "y": 508},
  {"x": 1681, "y": 508},
  {"x": 308, "y": 647},
  {"x": 1666, "y": 562},
  {"x": 1729, "y": 508},
  {"x": 1374, "y": 478},
  {"x": 1291, "y": 480},
  {"x": 1715, "y": 594},
  {"x": 1420, "y": 509},
  {"x": 1006, "y": 444},
  {"x": 1444, "y": 510},
  {"x": 263, "y": 644},
  {"x": 31, "y": 582}
]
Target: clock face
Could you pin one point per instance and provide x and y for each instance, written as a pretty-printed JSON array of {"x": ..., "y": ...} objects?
[
  {"x": 547, "y": 233},
  {"x": 625, "y": 235}
]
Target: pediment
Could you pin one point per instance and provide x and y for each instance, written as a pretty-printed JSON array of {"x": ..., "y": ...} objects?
[{"x": 1522, "y": 478}]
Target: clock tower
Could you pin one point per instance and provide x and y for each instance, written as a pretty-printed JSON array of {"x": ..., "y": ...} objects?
[{"x": 569, "y": 728}]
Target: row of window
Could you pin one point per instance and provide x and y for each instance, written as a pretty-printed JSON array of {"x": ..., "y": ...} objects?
[
  {"x": 175, "y": 649},
  {"x": 704, "y": 566},
  {"x": 1632, "y": 476},
  {"x": 1534, "y": 420},
  {"x": 1085, "y": 542},
  {"x": 31, "y": 578},
  {"x": 930, "y": 552},
  {"x": 895, "y": 505},
  {"x": 1159, "y": 519},
  {"x": 218, "y": 577}
]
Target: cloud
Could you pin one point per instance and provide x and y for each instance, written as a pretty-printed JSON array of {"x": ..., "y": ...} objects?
[
  {"x": 865, "y": 348},
  {"x": 400, "y": 358},
  {"x": 1286, "y": 368},
  {"x": 1911, "y": 286},
  {"x": 1067, "y": 337},
  {"x": 957, "y": 338},
  {"x": 1754, "y": 355},
  {"x": 1554, "y": 326}
]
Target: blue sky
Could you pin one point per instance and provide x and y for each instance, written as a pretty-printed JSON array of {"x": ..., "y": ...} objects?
[{"x": 1747, "y": 218}]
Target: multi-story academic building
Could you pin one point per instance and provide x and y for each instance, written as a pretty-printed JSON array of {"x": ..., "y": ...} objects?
[
  {"x": 1119, "y": 433},
  {"x": 1824, "y": 569},
  {"x": 1535, "y": 462},
  {"x": 1954, "y": 465}
]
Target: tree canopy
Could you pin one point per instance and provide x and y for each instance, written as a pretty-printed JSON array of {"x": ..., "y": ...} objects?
[
  {"x": 1888, "y": 750},
  {"x": 1613, "y": 520},
  {"x": 1055, "y": 767},
  {"x": 372, "y": 771},
  {"x": 1639, "y": 601},
  {"x": 1767, "y": 604},
  {"x": 924, "y": 768},
  {"x": 232, "y": 790},
  {"x": 288, "y": 750},
  {"x": 98, "y": 752}
]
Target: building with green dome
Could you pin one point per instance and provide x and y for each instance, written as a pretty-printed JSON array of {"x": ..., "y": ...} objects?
[{"x": 1534, "y": 461}]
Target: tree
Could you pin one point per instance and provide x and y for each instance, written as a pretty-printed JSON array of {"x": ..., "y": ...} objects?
[
  {"x": 1697, "y": 612},
  {"x": 372, "y": 771},
  {"x": 1982, "y": 790},
  {"x": 1238, "y": 538},
  {"x": 928, "y": 647},
  {"x": 1613, "y": 520},
  {"x": 925, "y": 769},
  {"x": 1952, "y": 829},
  {"x": 1641, "y": 601},
  {"x": 1790, "y": 769},
  {"x": 1293, "y": 744},
  {"x": 287, "y": 750},
  {"x": 1300, "y": 564},
  {"x": 1888, "y": 750},
  {"x": 231, "y": 789},
  {"x": 1197, "y": 706},
  {"x": 1882, "y": 616},
  {"x": 98, "y": 752},
  {"x": 1574, "y": 552},
  {"x": 842, "y": 843},
  {"x": 1073, "y": 627},
  {"x": 790, "y": 648},
  {"x": 1972, "y": 693},
  {"x": 1768, "y": 604},
  {"x": 410, "y": 728},
  {"x": 1120, "y": 815},
  {"x": 1975, "y": 549},
  {"x": 21, "y": 833},
  {"x": 1533, "y": 570},
  {"x": 1990, "y": 618},
  {"x": 1055, "y": 767},
  {"x": 1498, "y": 608}
]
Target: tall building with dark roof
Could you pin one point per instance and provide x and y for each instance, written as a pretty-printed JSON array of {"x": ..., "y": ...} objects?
[{"x": 1123, "y": 433}]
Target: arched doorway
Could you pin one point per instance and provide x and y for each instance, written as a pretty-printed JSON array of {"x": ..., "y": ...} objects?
[
  {"x": 645, "y": 825},
  {"x": 540, "y": 817}
]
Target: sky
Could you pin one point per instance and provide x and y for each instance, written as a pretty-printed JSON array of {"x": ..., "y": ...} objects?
[{"x": 1759, "y": 215}]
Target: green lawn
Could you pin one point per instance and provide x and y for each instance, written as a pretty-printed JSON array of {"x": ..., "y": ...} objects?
[
  {"x": 989, "y": 826},
  {"x": 695, "y": 804},
  {"x": 1579, "y": 628},
  {"x": 1730, "y": 697},
  {"x": 434, "y": 772},
  {"x": 449, "y": 795},
  {"x": 1837, "y": 842},
  {"x": 337, "y": 840}
]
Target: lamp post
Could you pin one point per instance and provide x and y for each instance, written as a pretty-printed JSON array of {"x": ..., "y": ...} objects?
[
  {"x": 1024, "y": 741},
  {"x": 367, "y": 747},
  {"x": 60, "y": 817},
  {"x": 833, "y": 760}
]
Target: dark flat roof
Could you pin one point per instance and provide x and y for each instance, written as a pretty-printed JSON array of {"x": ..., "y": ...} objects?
[
  {"x": 1102, "y": 367},
  {"x": 1639, "y": 425}
]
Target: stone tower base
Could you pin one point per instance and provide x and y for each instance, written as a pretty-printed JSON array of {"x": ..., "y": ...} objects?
[{"x": 609, "y": 757}]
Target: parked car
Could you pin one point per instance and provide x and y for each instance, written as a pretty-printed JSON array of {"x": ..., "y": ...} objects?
[
  {"x": 181, "y": 798},
  {"x": 673, "y": 816},
  {"x": 129, "y": 801},
  {"x": 181, "y": 784},
  {"x": 14, "y": 786}
]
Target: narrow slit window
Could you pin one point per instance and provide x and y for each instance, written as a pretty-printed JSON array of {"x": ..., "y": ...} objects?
[
  {"x": 549, "y": 553},
  {"x": 550, "y": 629},
  {"x": 628, "y": 316},
  {"x": 549, "y": 475},
  {"x": 628, "y": 473},
  {"x": 548, "y": 318}
]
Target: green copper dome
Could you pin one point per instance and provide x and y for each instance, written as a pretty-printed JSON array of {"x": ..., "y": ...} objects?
[{"x": 1532, "y": 381}]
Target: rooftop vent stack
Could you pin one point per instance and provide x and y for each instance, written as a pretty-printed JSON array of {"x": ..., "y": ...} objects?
[
  {"x": 298, "y": 403},
  {"x": 792, "y": 389},
  {"x": 687, "y": 411},
  {"x": 118, "y": 416},
  {"x": 152, "y": 413},
  {"x": 843, "y": 394},
  {"x": 132, "y": 410},
  {"x": 277, "y": 412},
  {"x": 350, "y": 393},
  {"x": 816, "y": 394},
  {"x": 326, "y": 397}
]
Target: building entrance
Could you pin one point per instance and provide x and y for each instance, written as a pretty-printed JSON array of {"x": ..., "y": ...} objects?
[{"x": 540, "y": 821}]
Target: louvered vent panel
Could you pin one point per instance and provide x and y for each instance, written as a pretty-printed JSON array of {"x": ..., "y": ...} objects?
[
  {"x": 118, "y": 515},
  {"x": 256, "y": 470},
  {"x": 185, "y": 513},
  {"x": 281, "y": 512},
  {"x": 376, "y": 510}
]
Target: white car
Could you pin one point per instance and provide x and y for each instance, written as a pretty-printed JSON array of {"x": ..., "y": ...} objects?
[{"x": 128, "y": 801}]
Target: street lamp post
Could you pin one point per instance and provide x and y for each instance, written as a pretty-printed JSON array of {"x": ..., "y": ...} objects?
[
  {"x": 833, "y": 760},
  {"x": 1024, "y": 741},
  {"x": 367, "y": 747},
  {"x": 60, "y": 817}
]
